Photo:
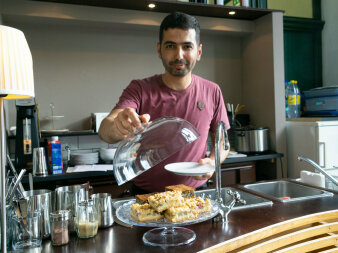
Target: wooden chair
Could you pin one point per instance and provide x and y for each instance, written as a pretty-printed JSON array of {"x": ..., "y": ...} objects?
[{"x": 316, "y": 232}]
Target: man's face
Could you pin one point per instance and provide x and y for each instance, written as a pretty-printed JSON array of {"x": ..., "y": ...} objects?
[{"x": 179, "y": 51}]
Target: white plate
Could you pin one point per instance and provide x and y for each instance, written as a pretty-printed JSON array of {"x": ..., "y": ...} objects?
[
  {"x": 64, "y": 130},
  {"x": 189, "y": 168}
]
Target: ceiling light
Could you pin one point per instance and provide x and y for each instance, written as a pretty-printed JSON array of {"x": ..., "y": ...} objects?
[
  {"x": 151, "y": 6},
  {"x": 232, "y": 12}
]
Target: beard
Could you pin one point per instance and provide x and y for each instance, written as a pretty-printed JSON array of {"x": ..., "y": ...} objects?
[{"x": 169, "y": 67}]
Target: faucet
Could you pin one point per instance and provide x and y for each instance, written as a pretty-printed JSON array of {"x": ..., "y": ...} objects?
[
  {"x": 221, "y": 129},
  {"x": 225, "y": 209},
  {"x": 316, "y": 166}
]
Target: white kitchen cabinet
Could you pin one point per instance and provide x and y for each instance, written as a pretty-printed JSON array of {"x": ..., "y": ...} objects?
[{"x": 317, "y": 140}]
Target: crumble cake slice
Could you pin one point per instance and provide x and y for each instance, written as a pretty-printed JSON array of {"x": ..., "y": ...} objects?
[
  {"x": 198, "y": 204},
  {"x": 181, "y": 213},
  {"x": 164, "y": 200},
  {"x": 187, "y": 191},
  {"x": 144, "y": 212},
  {"x": 143, "y": 198}
]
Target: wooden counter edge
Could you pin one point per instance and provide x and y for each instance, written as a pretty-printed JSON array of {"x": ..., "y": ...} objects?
[{"x": 250, "y": 240}]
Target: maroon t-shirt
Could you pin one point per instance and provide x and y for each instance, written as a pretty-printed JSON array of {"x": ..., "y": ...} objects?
[{"x": 201, "y": 104}]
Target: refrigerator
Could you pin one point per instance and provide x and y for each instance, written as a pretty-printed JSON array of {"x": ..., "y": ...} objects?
[{"x": 312, "y": 138}]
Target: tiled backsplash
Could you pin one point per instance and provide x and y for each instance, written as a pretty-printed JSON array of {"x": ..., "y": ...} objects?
[{"x": 81, "y": 143}]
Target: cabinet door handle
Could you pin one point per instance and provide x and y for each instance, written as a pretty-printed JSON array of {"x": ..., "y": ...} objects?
[
  {"x": 321, "y": 151},
  {"x": 238, "y": 167}
]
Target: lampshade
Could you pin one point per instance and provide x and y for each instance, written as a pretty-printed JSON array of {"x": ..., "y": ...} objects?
[
  {"x": 16, "y": 65},
  {"x": 16, "y": 82}
]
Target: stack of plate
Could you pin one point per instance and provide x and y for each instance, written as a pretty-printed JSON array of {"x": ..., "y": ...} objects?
[{"x": 84, "y": 158}]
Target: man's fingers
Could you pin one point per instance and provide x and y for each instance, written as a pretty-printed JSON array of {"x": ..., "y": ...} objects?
[
  {"x": 132, "y": 117},
  {"x": 207, "y": 160},
  {"x": 127, "y": 120},
  {"x": 145, "y": 118},
  {"x": 122, "y": 130},
  {"x": 123, "y": 124},
  {"x": 204, "y": 177}
]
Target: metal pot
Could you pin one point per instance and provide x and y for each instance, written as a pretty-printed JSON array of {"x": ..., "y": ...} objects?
[
  {"x": 68, "y": 197},
  {"x": 251, "y": 140},
  {"x": 41, "y": 201},
  {"x": 103, "y": 204}
]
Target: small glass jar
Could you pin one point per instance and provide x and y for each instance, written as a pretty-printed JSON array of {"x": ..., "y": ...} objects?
[
  {"x": 86, "y": 220},
  {"x": 59, "y": 227}
]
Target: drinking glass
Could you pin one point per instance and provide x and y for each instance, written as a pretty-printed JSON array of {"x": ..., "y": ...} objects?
[{"x": 27, "y": 231}]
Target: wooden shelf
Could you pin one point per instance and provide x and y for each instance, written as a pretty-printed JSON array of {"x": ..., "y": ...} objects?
[{"x": 166, "y": 6}]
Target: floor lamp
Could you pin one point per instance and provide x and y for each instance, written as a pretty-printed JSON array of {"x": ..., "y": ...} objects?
[{"x": 16, "y": 82}]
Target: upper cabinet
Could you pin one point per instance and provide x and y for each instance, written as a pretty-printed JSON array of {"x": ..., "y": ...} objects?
[{"x": 167, "y": 6}]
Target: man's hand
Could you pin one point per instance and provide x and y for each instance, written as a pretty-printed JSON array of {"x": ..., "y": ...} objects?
[
  {"x": 126, "y": 121},
  {"x": 211, "y": 158},
  {"x": 119, "y": 123},
  {"x": 206, "y": 160}
]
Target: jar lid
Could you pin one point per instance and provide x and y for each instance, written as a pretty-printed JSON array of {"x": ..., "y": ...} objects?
[
  {"x": 59, "y": 215},
  {"x": 55, "y": 138}
]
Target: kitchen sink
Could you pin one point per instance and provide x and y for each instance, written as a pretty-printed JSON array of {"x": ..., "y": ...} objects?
[
  {"x": 285, "y": 191},
  {"x": 251, "y": 200}
]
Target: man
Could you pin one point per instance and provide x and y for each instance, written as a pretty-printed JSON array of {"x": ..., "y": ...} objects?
[{"x": 176, "y": 93}]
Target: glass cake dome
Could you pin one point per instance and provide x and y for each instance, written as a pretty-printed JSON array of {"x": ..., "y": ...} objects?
[{"x": 150, "y": 144}]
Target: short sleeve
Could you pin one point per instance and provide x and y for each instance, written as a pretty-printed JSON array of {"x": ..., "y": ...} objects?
[
  {"x": 220, "y": 113},
  {"x": 130, "y": 97}
]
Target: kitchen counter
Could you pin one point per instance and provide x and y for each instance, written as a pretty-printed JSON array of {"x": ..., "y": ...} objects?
[
  {"x": 123, "y": 239},
  {"x": 91, "y": 174}
]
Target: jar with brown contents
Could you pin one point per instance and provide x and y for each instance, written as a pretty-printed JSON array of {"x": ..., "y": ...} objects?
[{"x": 59, "y": 227}]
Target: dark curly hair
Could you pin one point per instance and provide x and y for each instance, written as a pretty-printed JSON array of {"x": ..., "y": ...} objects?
[{"x": 182, "y": 21}]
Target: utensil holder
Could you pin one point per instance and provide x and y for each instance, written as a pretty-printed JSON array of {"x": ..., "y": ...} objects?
[
  {"x": 27, "y": 231},
  {"x": 9, "y": 232},
  {"x": 41, "y": 201}
]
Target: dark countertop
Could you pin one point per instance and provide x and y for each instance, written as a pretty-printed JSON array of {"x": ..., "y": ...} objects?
[
  {"x": 70, "y": 176},
  {"x": 122, "y": 239},
  {"x": 254, "y": 157}
]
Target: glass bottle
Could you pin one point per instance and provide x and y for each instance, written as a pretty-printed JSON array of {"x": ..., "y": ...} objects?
[
  {"x": 86, "y": 220},
  {"x": 293, "y": 99},
  {"x": 59, "y": 227}
]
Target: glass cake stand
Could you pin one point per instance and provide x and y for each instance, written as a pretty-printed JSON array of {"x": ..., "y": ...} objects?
[{"x": 166, "y": 233}]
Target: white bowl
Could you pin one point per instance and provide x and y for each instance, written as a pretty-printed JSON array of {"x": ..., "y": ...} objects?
[{"x": 107, "y": 154}]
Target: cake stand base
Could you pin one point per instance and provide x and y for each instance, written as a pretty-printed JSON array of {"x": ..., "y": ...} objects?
[{"x": 169, "y": 236}]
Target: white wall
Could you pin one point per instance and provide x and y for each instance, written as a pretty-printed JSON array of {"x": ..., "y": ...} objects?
[
  {"x": 330, "y": 42},
  {"x": 83, "y": 69}
]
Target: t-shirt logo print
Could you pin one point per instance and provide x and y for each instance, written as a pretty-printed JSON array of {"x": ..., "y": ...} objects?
[{"x": 200, "y": 105}]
